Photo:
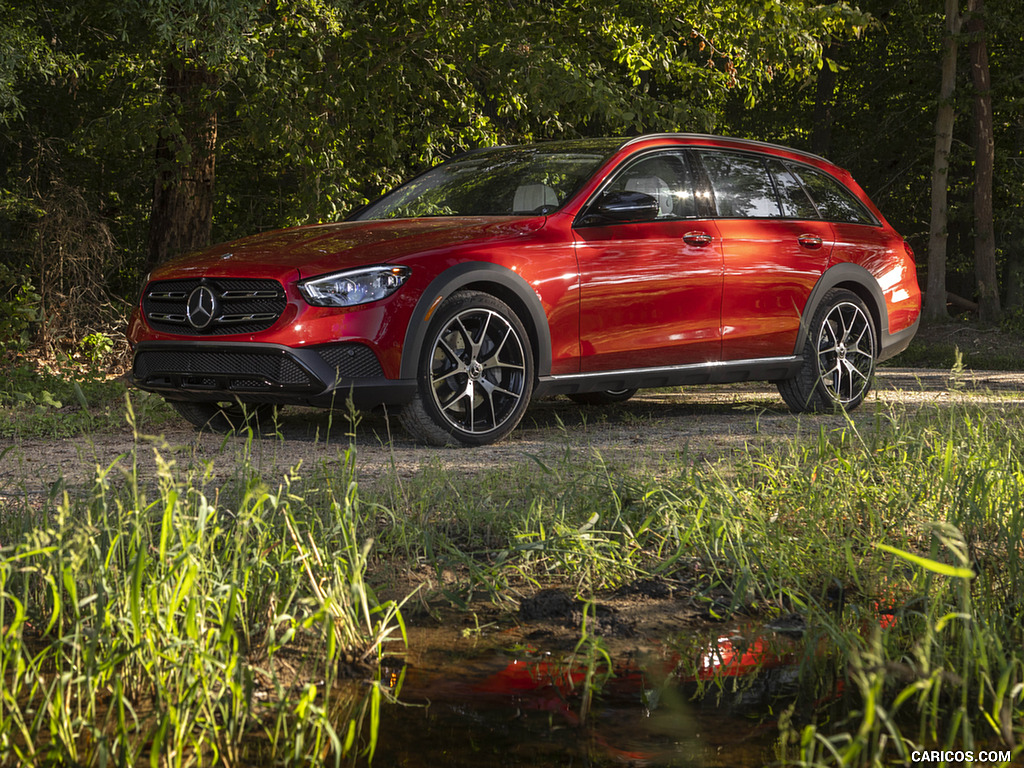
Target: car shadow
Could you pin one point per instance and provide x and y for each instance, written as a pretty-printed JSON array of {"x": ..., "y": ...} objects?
[{"x": 557, "y": 414}]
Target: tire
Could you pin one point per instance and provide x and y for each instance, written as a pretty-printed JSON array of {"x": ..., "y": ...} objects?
[
  {"x": 226, "y": 416},
  {"x": 839, "y": 357},
  {"x": 474, "y": 373},
  {"x": 606, "y": 397}
]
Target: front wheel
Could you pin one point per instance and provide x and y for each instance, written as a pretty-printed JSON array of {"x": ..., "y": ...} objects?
[
  {"x": 474, "y": 376},
  {"x": 839, "y": 357}
]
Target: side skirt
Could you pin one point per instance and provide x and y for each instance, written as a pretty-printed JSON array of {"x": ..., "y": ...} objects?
[{"x": 763, "y": 369}]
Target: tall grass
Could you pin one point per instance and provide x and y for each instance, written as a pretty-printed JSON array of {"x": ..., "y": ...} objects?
[
  {"x": 176, "y": 621},
  {"x": 167, "y": 621},
  {"x": 898, "y": 536}
]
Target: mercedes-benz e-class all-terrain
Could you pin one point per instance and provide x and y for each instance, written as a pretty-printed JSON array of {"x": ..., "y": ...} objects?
[{"x": 588, "y": 268}]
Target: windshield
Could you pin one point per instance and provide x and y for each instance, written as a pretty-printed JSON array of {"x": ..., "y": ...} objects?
[{"x": 509, "y": 181}]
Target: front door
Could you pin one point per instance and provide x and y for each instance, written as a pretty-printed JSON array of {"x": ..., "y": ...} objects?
[{"x": 651, "y": 292}]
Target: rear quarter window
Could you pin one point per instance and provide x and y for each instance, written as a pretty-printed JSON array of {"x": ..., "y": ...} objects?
[
  {"x": 792, "y": 194},
  {"x": 834, "y": 201}
]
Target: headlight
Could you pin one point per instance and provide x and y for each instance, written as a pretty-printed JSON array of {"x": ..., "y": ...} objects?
[{"x": 347, "y": 289}]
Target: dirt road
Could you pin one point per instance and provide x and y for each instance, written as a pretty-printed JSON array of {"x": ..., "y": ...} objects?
[{"x": 655, "y": 425}]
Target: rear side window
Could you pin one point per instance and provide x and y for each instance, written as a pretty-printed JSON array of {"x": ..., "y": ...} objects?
[
  {"x": 792, "y": 195},
  {"x": 834, "y": 201},
  {"x": 741, "y": 185}
]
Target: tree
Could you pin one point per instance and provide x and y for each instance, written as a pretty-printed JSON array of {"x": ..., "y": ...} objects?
[
  {"x": 934, "y": 308},
  {"x": 984, "y": 159},
  {"x": 374, "y": 91},
  {"x": 186, "y": 53}
]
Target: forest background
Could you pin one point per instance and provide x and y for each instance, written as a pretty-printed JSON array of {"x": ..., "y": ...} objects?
[{"x": 137, "y": 130}]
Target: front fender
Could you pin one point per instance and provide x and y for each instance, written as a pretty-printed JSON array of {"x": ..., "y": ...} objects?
[{"x": 504, "y": 284}]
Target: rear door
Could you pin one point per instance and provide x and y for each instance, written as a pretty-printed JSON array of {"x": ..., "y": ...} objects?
[{"x": 774, "y": 246}]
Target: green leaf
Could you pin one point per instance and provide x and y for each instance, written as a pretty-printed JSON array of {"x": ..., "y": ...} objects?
[{"x": 943, "y": 569}]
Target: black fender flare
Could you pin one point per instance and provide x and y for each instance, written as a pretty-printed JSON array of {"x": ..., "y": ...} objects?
[
  {"x": 857, "y": 279},
  {"x": 507, "y": 286}
]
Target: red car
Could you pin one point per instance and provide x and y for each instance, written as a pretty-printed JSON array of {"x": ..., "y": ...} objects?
[{"x": 588, "y": 268}]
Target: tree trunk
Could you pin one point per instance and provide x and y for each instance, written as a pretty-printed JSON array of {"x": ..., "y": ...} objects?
[
  {"x": 182, "y": 214},
  {"x": 984, "y": 159},
  {"x": 1015, "y": 273},
  {"x": 824, "y": 101},
  {"x": 935, "y": 294}
]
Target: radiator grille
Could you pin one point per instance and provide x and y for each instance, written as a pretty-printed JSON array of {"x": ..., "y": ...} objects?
[{"x": 239, "y": 305}]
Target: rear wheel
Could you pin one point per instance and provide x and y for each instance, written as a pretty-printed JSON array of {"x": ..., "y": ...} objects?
[
  {"x": 475, "y": 373},
  {"x": 839, "y": 357},
  {"x": 605, "y": 397},
  {"x": 226, "y": 416}
]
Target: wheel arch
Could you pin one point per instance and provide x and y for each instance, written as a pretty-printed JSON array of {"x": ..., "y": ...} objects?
[
  {"x": 857, "y": 280},
  {"x": 493, "y": 279}
]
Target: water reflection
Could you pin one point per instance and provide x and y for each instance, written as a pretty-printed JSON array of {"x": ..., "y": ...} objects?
[{"x": 710, "y": 705}]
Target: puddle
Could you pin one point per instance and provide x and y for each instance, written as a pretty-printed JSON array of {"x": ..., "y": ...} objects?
[{"x": 495, "y": 702}]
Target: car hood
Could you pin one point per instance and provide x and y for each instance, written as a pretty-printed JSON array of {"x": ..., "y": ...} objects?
[{"x": 321, "y": 248}]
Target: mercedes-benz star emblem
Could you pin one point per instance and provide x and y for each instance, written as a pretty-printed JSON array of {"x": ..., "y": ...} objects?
[{"x": 202, "y": 307}]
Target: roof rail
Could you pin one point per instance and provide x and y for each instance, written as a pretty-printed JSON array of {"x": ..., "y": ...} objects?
[{"x": 748, "y": 142}]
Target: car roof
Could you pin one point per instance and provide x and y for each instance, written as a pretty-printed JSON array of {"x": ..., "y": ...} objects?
[{"x": 612, "y": 145}]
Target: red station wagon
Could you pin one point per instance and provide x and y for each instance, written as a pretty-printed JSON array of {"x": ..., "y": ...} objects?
[{"x": 587, "y": 268}]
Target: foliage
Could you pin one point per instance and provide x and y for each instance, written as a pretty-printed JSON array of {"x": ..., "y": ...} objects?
[
  {"x": 320, "y": 106},
  {"x": 25, "y": 54},
  {"x": 73, "y": 400},
  {"x": 147, "y": 623},
  {"x": 19, "y": 310}
]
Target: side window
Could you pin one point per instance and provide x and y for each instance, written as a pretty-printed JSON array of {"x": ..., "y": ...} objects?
[
  {"x": 741, "y": 185},
  {"x": 834, "y": 201},
  {"x": 792, "y": 195},
  {"x": 667, "y": 178}
]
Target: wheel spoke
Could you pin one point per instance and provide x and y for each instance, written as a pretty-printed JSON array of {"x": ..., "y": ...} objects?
[
  {"x": 494, "y": 357},
  {"x": 445, "y": 376},
  {"x": 854, "y": 369},
  {"x": 467, "y": 337},
  {"x": 487, "y": 388},
  {"x": 452, "y": 354},
  {"x": 504, "y": 367},
  {"x": 504, "y": 391},
  {"x": 483, "y": 335},
  {"x": 466, "y": 392}
]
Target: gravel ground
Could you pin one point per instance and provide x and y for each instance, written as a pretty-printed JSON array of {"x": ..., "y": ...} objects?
[{"x": 655, "y": 425}]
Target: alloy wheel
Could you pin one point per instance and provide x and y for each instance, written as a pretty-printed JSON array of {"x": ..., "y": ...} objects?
[
  {"x": 845, "y": 350},
  {"x": 478, "y": 374}
]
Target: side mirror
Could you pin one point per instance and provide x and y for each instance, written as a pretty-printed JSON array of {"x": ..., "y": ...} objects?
[{"x": 622, "y": 208}]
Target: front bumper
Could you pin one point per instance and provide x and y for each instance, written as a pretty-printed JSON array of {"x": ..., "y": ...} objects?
[{"x": 323, "y": 375}]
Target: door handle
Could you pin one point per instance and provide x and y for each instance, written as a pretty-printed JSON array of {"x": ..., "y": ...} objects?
[
  {"x": 810, "y": 241},
  {"x": 697, "y": 238}
]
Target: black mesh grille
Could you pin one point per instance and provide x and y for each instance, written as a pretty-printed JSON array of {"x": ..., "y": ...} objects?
[
  {"x": 243, "y": 305},
  {"x": 227, "y": 370},
  {"x": 351, "y": 361}
]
